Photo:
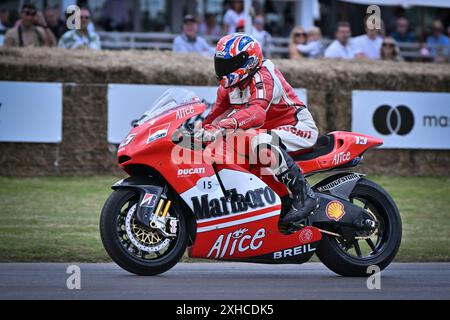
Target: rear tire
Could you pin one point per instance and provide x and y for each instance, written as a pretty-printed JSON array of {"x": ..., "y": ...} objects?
[
  {"x": 331, "y": 253},
  {"x": 117, "y": 251}
]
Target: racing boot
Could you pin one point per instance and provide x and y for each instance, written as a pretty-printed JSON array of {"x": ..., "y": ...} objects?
[{"x": 304, "y": 200}]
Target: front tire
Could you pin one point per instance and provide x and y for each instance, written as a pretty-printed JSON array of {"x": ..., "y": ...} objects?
[
  {"x": 336, "y": 253},
  {"x": 128, "y": 256}
]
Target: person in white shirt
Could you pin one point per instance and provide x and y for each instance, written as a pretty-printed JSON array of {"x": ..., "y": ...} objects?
[
  {"x": 313, "y": 48},
  {"x": 232, "y": 16},
  {"x": 189, "y": 41},
  {"x": 262, "y": 36},
  {"x": 368, "y": 45},
  {"x": 82, "y": 38},
  {"x": 341, "y": 47}
]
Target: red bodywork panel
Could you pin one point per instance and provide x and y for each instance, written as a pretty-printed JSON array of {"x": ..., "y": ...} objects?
[
  {"x": 347, "y": 146},
  {"x": 246, "y": 234},
  {"x": 251, "y": 239}
]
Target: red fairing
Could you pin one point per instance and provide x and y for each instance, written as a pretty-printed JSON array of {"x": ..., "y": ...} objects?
[
  {"x": 347, "y": 146},
  {"x": 258, "y": 103},
  {"x": 158, "y": 154},
  {"x": 251, "y": 239},
  {"x": 227, "y": 229}
]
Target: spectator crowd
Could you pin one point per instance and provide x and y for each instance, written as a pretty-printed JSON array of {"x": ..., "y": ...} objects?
[{"x": 34, "y": 28}]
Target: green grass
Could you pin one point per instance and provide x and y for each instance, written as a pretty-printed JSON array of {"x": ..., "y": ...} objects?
[{"x": 56, "y": 218}]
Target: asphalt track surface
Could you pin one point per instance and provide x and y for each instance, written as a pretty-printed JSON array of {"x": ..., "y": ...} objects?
[{"x": 211, "y": 281}]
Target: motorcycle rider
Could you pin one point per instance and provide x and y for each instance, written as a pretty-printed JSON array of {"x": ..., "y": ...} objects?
[{"x": 253, "y": 94}]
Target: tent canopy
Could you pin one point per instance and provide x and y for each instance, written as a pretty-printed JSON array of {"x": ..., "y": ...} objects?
[{"x": 404, "y": 3}]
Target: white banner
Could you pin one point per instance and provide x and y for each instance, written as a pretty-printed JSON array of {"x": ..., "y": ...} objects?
[
  {"x": 404, "y": 120},
  {"x": 30, "y": 112},
  {"x": 127, "y": 103}
]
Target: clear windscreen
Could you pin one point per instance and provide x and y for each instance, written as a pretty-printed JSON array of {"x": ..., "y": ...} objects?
[{"x": 169, "y": 100}]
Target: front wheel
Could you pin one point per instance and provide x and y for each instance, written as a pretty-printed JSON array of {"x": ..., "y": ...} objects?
[
  {"x": 352, "y": 258},
  {"x": 138, "y": 249}
]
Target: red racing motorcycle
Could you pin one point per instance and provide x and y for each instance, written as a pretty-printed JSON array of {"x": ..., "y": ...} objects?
[{"x": 229, "y": 211}]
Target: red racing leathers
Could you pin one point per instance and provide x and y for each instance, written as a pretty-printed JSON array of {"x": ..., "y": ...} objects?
[{"x": 265, "y": 101}]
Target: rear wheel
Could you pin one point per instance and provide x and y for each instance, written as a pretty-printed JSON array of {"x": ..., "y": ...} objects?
[
  {"x": 378, "y": 247},
  {"x": 136, "y": 248}
]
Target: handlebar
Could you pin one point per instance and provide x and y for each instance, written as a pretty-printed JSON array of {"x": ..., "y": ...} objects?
[{"x": 186, "y": 138}]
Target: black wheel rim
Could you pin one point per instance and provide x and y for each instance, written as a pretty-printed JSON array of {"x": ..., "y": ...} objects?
[
  {"x": 375, "y": 243},
  {"x": 126, "y": 242}
]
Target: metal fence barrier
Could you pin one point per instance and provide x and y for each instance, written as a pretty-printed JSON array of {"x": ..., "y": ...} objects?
[{"x": 279, "y": 46}]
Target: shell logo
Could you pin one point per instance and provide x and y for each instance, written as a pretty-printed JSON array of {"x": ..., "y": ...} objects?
[{"x": 335, "y": 210}]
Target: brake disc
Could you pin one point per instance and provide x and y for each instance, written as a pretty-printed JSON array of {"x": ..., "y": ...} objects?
[{"x": 143, "y": 238}]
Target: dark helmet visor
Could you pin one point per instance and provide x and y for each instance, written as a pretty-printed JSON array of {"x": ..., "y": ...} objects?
[{"x": 226, "y": 66}]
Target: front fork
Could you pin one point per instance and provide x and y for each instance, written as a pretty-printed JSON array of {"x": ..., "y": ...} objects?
[
  {"x": 153, "y": 206},
  {"x": 161, "y": 222}
]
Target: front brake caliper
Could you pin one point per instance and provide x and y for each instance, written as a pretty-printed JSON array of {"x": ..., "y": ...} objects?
[
  {"x": 160, "y": 219},
  {"x": 173, "y": 225}
]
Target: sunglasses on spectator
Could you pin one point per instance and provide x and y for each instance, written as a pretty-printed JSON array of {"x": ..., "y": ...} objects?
[
  {"x": 29, "y": 13},
  {"x": 387, "y": 44},
  {"x": 300, "y": 34}
]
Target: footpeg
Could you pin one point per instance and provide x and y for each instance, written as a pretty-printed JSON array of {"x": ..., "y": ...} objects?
[{"x": 296, "y": 226}]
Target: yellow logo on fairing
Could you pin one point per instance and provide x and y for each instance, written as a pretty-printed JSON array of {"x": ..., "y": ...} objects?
[{"x": 335, "y": 210}]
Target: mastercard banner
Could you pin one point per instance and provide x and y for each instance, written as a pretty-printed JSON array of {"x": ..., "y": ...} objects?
[{"x": 404, "y": 120}]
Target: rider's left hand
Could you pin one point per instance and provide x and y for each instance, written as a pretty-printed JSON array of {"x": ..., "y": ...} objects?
[
  {"x": 208, "y": 133},
  {"x": 228, "y": 123}
]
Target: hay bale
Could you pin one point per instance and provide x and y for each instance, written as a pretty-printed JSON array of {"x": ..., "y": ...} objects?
[
  {"x": 316, "y": 102},
  {"x": 28, "y": 159},
  {"x": 406, "y": 162},
  {"x": 84, "y": 142},
  {"x": 161, "y": 67}
]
